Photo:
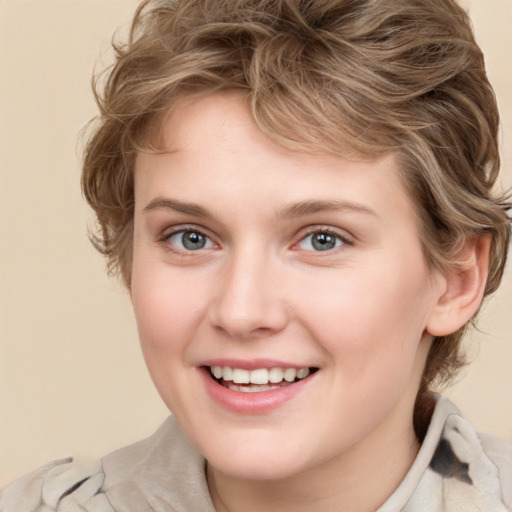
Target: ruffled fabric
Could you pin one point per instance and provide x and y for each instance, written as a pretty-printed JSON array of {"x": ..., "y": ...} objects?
[
  {"x": 60, "y": 486},
  {"x": 456, "y": 470},
  {"x": 460, "y": 476}
]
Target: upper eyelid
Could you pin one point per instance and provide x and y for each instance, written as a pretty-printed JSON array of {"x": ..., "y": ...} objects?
[
  {"x": 179, "y": 250},
  {"x": 170, "y": 231},
  {"x": 343, "y": 234},
  {"x": 180, "y": 228},
  {"x": 310, "y": 230},
  {"x": 347, "y": 241}
]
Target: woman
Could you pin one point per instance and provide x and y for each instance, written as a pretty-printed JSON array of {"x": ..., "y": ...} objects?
[{"x": 298, "y": 197}]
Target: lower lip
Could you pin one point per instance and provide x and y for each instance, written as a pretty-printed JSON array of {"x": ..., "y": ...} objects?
[{"x": 252, "y": 403}]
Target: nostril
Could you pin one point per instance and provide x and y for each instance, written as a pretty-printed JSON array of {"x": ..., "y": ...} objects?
[{"x": 247, "y": 308}]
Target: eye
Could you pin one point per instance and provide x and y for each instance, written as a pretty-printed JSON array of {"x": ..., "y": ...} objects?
[
  {"x": 190, "y": 240},
  {"x": 321, "y": 241}
]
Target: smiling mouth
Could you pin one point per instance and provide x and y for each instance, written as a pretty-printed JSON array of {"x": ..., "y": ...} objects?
[{"x": 261, "y": 379}]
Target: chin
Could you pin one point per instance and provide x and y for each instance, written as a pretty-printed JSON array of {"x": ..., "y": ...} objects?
[
  {"x": 264, "y": 464},
  {"x": 257, "y": 471}
]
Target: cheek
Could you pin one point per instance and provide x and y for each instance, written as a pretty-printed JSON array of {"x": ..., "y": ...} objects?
[
  {"x": 372, "y": 330},
  {"x": 371, "y": 322},
  {"x": 166, "y": 320},
  {"x": 164, "y": 309}
]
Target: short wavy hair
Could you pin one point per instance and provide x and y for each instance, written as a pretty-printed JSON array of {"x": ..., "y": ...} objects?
[{"x": 348, "y": 77}]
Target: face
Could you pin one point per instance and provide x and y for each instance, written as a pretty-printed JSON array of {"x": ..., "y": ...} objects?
[{"x": 282, "y": 298}]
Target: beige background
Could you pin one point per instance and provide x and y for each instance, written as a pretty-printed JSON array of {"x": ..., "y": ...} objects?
[{"x": 72, "y": 380}]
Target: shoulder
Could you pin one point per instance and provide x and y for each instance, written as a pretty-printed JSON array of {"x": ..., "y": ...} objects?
[
  {"x": 475, "y": 468},
  {"x": 57, "y": 486},
  {"x": 457, "y": 469},
  {"x": 165, "y": 468},
  {"x": 500, "y": 454}
]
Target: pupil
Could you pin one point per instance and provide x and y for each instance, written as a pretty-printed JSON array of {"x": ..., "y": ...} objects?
[
  {"x": 323, "y": 241},
  {"x": 193, "y": 240}
]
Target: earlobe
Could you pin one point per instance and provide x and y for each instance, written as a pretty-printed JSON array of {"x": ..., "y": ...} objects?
[{"x": 463, "y": 289}]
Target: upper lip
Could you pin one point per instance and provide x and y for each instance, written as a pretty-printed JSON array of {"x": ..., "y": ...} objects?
[{"x": 253, "y": 364}]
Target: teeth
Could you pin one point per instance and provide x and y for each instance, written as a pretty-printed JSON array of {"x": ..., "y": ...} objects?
[
  {"x": 227, "y": 373},
  {"x": 260, "y": 377},
  {"x": 275, "y": 375},
  {"x": 290, "y": 374},
  {"x": 302, "y": 373},
  {"x": 241, "y": 376},
  {"x": 256, "y": 388},
  {"x": 217, "y": 372}
]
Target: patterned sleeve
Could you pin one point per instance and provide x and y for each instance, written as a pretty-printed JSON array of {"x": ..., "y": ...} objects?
[{"x": 59, "y": 486}]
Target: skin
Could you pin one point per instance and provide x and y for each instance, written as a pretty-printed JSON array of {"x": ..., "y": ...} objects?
[{"x": 362, "y": 312}]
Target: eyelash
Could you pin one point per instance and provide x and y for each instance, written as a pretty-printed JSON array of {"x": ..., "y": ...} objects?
[
  {"x": 327, "y": 230},
  {"x": 167, "y": 236},
  {"x": 340, "y": 240}
]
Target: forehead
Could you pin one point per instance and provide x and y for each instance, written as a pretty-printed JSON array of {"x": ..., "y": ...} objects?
[{"x": 212, "y": 146}]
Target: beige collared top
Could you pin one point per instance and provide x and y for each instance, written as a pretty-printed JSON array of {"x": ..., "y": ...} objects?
[{"x": 456, "y": 470}]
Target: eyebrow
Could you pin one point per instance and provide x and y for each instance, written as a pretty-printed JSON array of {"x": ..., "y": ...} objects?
[
  {"x": 294, "y": 210},
  {"x": 305, "y": 208},
  {"x": 178, "y": 206}
]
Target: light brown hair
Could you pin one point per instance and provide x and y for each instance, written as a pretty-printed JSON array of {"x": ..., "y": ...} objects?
[{"x": 351, "y": 77}]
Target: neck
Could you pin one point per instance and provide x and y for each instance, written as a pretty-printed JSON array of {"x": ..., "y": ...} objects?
[{"x": 358, "y": 481}]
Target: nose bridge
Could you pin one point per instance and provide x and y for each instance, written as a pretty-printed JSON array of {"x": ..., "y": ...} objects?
[{"x": 247, "y": 303}]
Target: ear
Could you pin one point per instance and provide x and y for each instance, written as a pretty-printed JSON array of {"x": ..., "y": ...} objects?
[{"x": 462, "y": 290}]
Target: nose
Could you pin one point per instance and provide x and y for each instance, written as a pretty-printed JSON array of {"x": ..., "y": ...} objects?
[{"x": 249, "y": 303}]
